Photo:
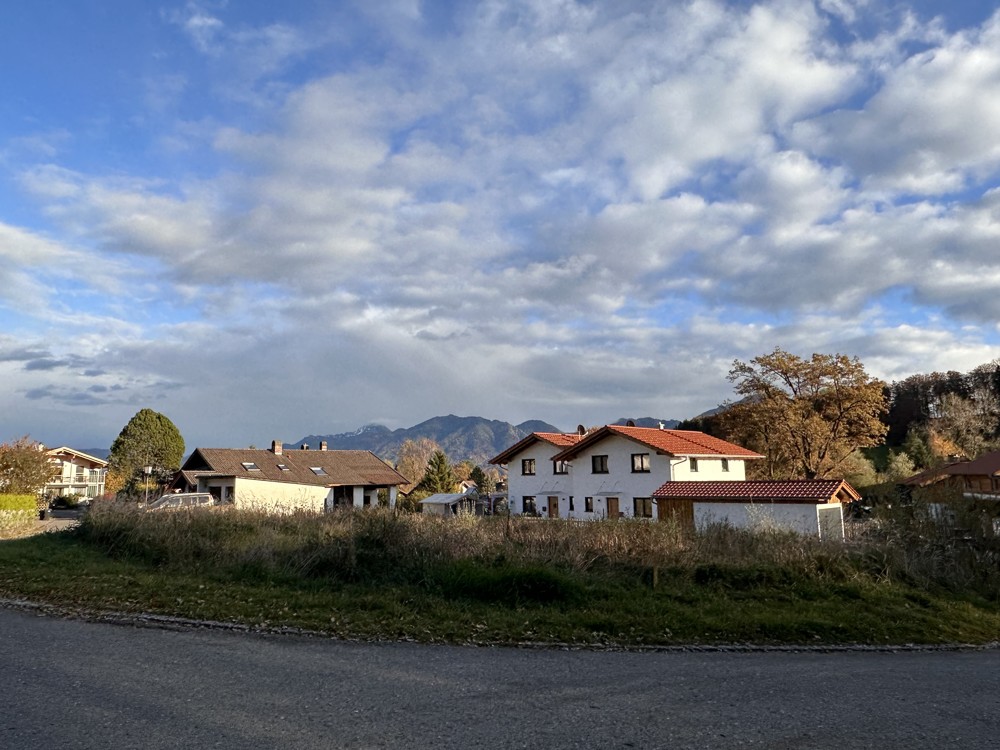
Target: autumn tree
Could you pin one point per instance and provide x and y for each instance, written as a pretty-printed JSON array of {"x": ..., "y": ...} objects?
[
  {"x": 149, "y": 440},
  {"x": 25, "y": 467},
  {"x": 439, "y": 477},
  {"x": 806, "y": 415},
  {"x": 412, "y": 460}
]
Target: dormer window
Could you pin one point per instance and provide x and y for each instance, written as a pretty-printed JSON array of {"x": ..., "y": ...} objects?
[{"x": 250, "y": 466}]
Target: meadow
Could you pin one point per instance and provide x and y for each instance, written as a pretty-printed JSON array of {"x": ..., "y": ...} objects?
[{"x": 901, "y": 577}]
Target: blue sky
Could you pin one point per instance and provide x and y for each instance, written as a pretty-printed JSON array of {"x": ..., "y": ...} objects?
[{"x": 270, "y": 220}]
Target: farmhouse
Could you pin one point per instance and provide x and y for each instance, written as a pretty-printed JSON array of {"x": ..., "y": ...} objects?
[
  {"x": 612, "y": 471},
  {"x": 288, "y": 480}
]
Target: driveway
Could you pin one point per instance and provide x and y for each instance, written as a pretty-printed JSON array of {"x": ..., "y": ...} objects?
[{"x": 70, "y": 684}]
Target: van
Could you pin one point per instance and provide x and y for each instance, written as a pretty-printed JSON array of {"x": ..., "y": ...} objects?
[{"x": 180, "y": 500}]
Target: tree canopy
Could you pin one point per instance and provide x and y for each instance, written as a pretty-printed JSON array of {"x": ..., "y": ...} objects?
[
  {"x": 439, "y": 477},
  {"x": 149, "y": 439},
  {"x": 25, "y": 467},
  {"x": 412, "y": 460},
  {"x": 805, "y": 415}
]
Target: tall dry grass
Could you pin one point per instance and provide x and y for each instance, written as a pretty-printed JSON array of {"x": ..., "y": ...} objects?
[{"x": 377, "y": 545}]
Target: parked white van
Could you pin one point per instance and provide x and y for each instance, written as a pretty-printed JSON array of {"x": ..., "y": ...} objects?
[{"x": 180, "y": 500}]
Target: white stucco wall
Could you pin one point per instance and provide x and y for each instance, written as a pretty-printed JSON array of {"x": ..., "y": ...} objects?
[
  {"x": 801, "y": 518},
  {"x": 542, "y": 484},
  {"x": 277, "y": 497},
  {"x": 709, "y": 470}
]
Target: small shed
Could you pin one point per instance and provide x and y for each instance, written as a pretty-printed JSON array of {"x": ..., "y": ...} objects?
[
  {"x": 812, "y": 507},
  {"x": 449, "y": 503}
]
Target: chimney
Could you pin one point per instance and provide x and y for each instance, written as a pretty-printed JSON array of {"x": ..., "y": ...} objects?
[
  {"x": 322, "y": 445},
  {"x": 276, "y": 447}
]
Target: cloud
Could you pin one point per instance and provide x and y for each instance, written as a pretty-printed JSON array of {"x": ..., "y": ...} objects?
[
  {"x": 926, "y": 130},
  {"x": 520, "y": 209}
]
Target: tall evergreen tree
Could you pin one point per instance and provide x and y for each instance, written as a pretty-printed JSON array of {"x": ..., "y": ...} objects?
[
  {"x": 439, "y": 477},
  {"x": 149, "y": 439}
]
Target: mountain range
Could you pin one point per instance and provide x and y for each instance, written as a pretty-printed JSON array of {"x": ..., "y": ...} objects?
[{"x": 474, "y": 438}]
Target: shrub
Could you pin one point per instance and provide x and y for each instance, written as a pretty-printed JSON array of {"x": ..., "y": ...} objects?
[{"x": 17, "y": 512}]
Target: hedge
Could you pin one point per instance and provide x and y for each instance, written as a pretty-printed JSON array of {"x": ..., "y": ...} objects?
[{"x": 17, "y": 511}]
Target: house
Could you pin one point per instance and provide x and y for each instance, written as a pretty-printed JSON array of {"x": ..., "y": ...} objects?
[
  {"x": 288, "y": 480},
  {"x": 532, "y": 472},
  {"x": 981, "y": 476},
  {"x": 75, "y": 473},
  {"x": 612, "y": 471},
  {"x": 809, "y": 506}
]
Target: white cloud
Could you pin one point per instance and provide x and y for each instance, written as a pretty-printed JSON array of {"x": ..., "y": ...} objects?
[{"x": 556, "y": 210}]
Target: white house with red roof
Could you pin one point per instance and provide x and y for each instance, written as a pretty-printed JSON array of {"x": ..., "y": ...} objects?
[
  {"x": 532, "y": 473},
  {"x": 612, "y": 472}
]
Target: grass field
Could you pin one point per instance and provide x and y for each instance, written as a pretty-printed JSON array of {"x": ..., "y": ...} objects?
[{"x": 373, "y": 574}]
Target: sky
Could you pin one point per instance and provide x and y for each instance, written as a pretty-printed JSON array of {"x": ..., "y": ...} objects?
[{"x": 267, "y": 220}]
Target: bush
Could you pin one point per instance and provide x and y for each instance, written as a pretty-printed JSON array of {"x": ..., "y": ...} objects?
[
  {"x": 66, "y": 501},
  {"x": 17, "y": 512}
]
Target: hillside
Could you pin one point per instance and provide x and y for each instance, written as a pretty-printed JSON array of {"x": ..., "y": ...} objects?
[{"x": 475, "y": 438}]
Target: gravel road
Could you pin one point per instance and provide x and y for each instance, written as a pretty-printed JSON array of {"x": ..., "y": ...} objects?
[{"x": 74, "y": 684}]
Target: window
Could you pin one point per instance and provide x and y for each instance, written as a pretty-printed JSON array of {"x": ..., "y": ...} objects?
[
  {"x": 694, "y": 464},
  {"x": 250, "y": 466},
  {"x": 528, "y": 467},
  {"x": 642, "y": 507},
  {"x": 283, "y": 467},
  {"x": 571, "y": 503},
  {"x": 588, "y": 504},
  {"x": 599, "y": 464},
  {"x": 560, "y": 467},
  {"x": 725, "y": 464},
  {"x": 528, "y": 505},
  {"x": 640, "y": 463},
  {"x": 318, "y": 471}
]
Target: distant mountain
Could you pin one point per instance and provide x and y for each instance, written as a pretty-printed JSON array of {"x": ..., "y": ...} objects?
[
  {"x": 668, "y": 424},
  {"x": 101, "y": 453},
  {"x": 460, "y": 438},
  {"x": 474, "y": 438}
]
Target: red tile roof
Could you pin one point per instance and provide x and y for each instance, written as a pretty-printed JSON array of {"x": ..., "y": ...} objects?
[
  {"x": 671, "y": 442},
  {"x": 795, "y": 490},
  {"x": 557, "y": 439}
]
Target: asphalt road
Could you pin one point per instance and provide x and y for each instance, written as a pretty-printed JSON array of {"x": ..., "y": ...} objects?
[{"x": 71, "y": 684}]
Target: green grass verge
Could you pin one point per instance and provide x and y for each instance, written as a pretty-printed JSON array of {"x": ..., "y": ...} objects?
[{"x": 503, "y": 601}]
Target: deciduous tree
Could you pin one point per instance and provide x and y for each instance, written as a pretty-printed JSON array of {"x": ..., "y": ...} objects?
[
  {"x": 25, "y": 467},
  {"x": 412, "y": 460},
  {"x": 806, "y": 415}
]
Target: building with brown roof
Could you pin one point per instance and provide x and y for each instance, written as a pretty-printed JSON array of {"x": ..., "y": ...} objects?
[{"x": 288, "y": 480}]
